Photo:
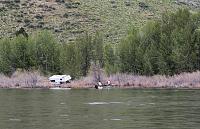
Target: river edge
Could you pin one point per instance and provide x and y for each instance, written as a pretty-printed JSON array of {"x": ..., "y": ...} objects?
[
  {"x": 110, "y": 87},
  {"x": 35, "y": 80}
]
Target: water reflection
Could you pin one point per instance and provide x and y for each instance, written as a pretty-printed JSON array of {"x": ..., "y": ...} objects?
[{"x": 94, "y": 109}]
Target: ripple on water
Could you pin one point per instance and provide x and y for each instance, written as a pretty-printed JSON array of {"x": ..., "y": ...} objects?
[
  {"x": 103, "y": 103},
  {"x": 64, "y": 115},
  {"x": 14, "y": 119},
  {"x": 115, "y": 102},
  {"x": 152, "y": 103},
  {"x": 115, "y": 119},
  {"x": 97, "y": 103}
]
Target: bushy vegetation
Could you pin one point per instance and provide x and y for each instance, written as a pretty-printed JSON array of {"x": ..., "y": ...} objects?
[
  {"x": 40, "y": 51},
  {"x": 167, "y": 46}
]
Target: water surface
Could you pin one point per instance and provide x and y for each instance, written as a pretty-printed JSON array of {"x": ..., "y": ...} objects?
[{"x": 99, "y": 109}]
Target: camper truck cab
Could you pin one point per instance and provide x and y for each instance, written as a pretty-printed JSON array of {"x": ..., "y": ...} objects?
[{"x": 60, "y": 79}]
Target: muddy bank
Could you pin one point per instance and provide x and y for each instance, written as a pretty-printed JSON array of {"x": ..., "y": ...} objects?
[{"x": 37, "y": 80}]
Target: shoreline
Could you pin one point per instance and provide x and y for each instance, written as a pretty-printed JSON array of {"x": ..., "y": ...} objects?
[
  {"x": 35, "y": 80},
  {"x": 112, "y": 87}
]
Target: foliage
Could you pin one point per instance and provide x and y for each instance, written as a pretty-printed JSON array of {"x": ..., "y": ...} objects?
[
  {"x": 5, "y": 56},
  {"x": 110, "y": 59},
  {"x": 168, "y": 46},
  {"x": 46, "y": 52},
  {"x": 70, "y": 60},
  {"x": 37, "y": 52}
]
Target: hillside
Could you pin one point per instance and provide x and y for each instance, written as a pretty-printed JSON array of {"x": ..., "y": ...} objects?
[{"x": 68, "y": 19}]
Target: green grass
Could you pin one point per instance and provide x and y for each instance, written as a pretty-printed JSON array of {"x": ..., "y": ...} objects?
[
  {"x": 111, "y": 19},
  {"x": 117, "y": 18}
]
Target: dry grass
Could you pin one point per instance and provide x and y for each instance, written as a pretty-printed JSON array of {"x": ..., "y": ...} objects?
[
  {"x": 34, "y": 79},
  {"x": 24, "y": 79},
  {"x": 183, "y": 80}
]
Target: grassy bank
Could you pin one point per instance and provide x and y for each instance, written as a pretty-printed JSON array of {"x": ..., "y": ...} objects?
[{"x": 34, "y": 79}]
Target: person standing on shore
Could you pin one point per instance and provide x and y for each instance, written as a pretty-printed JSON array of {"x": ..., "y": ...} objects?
[
  {"x": 99, "y": 83},
  {"x": 108, "y": 83}
]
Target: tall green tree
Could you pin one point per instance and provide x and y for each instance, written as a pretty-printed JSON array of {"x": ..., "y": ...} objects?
[
  {"x": 47, "y": 52},
  {"x": 20, "y": 53},
  {"x": 110, "y": 59},
  {"x": 97, "y": 50},
  {"x": 6, "y": 57},
  {"x": 71, "y": 60},
  {"x": 84, "y": 46},
  {"x": 129, "y": 53}
]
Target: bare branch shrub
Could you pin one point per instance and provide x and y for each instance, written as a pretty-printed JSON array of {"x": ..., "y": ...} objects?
[
  {"x": 96, "y": 74},
  {"x": 24, "y": 79},
  {"x": 184, "y": 80},
  {"x": 34, "y": 79}
]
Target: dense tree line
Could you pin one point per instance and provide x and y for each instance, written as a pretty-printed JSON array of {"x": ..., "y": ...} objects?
[
  {"x": 40, "y": 51},
  {"x": 167, "y": 46}
]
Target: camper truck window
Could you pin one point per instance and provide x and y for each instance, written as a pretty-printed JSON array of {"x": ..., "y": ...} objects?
[{"x": 52, "y": 80}]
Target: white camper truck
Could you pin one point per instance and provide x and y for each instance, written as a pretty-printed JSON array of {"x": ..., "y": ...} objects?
[{"x": 60, "y": 79}]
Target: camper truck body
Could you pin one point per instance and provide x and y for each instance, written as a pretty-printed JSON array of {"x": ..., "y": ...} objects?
[{"x": 60, "y": 79}]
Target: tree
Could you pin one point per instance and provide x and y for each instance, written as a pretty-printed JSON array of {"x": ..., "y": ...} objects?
[
  {"x": 97, "y": 50},
  {"x": 5, "y": 57},
  {"x": 20, "y": 53},
  {"x": 47, "y": 52},
  {"x": 84, "y": 46},
  {"x": 168, "y": 46},
  {"x": 71, "y": 60},
  {"x": 129, "y": 53},
  {"x": 109, "y": 59}
]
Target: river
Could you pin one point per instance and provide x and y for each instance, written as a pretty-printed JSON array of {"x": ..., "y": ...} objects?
[{"x": 99, "y": 109}]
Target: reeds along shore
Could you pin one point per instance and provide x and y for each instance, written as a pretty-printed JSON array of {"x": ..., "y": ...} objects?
[
  {"x": 34, "y": 79},
  {"x": 24, "y": 79}
]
